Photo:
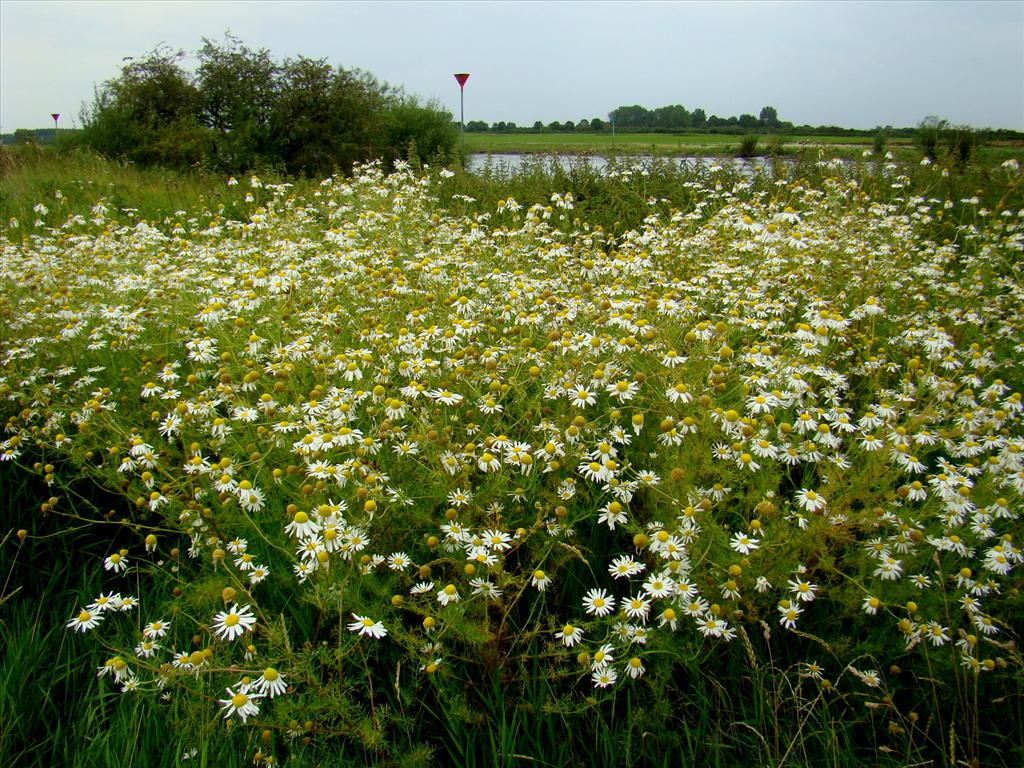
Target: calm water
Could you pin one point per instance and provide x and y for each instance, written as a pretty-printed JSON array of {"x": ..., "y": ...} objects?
[{"x": 502, "y": 163}]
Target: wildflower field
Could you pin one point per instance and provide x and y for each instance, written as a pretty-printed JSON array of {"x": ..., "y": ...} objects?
[{"x": 395, "y": 469}]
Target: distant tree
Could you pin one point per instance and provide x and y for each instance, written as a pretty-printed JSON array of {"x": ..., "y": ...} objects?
[
  {"x": 568, "y": 126},
  {"x": 674, "y": 116},
  {"x": 747, "y": 121},
  {"x": 769, "y": 117},
  {"x": 597, "y": 124},
  {"x": 698, "y": 119},
  {"x": 24, "y": 136},
  {"x": 554, "y": 126},
  {"x": 476, "y": 126},
  {"x": 633, "y": 116},
  {"x": 538, "y": 126},
  {"x": 583, "y": 126}
]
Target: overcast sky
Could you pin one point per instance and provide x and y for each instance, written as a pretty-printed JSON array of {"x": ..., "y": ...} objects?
[{"x": 855, "y": 64}]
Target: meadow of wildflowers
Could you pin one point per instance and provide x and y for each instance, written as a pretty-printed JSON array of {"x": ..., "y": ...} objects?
[{"x": 377, "y": 466}]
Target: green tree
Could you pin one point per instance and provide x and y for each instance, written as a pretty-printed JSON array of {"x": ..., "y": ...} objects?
[
  {"x": 242, "y": 110},
  {"x": 238, "y": 88},
  {"x": 633, "y": 116},
  {"x": 149, "y": 114},
  {"x": 418, "y": 131},
  {"x": 748, "y": 121},
  {"x": 769, "y": 117},
  {"x": 325, "y": 118},
  {"x": 673, "y": 116}
]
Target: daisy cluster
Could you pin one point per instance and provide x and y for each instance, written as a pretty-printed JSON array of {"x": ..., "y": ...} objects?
[{"x": 784, "y": 397}]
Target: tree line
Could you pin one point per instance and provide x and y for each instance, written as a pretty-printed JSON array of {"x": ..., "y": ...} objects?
[
  {"x": 674, "y": 117},
  {"x": 241, "y": 109}
]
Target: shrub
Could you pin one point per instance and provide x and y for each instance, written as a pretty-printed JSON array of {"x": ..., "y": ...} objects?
[
  {"x": 878, "y": 143},
  {"x": 748, "y": 146},
  {"x": 961, "y": 141},
  {"x": 929, "y": 134}
]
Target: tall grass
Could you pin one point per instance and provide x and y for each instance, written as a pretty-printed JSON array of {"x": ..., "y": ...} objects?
[
  {"x": 76, "y": 179},
  {"x": 616, "y": 198},
  {"x": 50, "y": 717}
]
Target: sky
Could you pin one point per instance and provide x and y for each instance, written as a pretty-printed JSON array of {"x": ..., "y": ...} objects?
[{"x": 818, "y": 62}]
